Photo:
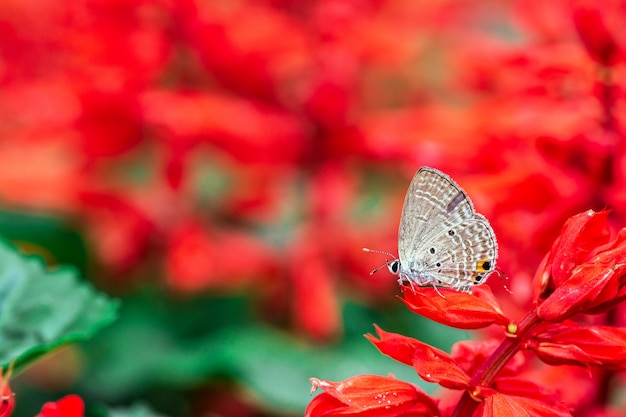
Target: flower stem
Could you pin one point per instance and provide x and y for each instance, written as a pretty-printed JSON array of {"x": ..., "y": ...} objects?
[{"x": 492, "y": 366}]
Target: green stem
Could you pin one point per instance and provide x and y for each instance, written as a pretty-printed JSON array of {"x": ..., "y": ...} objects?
[{"x": 492, "y": 366}]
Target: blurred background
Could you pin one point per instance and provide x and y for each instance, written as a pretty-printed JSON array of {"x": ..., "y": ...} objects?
[{"x": 218, "y": 166}]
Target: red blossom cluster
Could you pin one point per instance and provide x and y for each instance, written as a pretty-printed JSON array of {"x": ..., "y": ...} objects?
[
  {"x": 68, "y": 406},
  {"x": 227, "y": 145},
  {"x": 584, "y": 273},
  {"x": 7, "y": 400},
  {"x": 189, "y": 133}
]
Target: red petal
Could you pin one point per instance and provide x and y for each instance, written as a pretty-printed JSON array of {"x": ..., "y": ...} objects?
[
  {"x": 325, "y": 405},
  {"x": 575, "y": 345},
  {"x": 314, "y": 296},
  {"x": 7, "y": 401},
  {"x": 617, "y": 296},
  {"x": 594, "y": 286},
  {"x": 560, "y": 354},
  {"x": 580, "y": 235},
  {"x": 514, "y": 385},
  {"x": 369, "y": 395},
  {"x": 590, "y": 21},
  {"x": 68, "y": 406},
  {"x": 457, "y": 309},
  {"x": 394, "y": 345},
  {"x": 110, "y": 124},
  {"x": 580, "y": 292},
  {"x": 432, "y": 364},
  {"x": 498, "y": 405},
  {"x": 272, "y": 136},
  {"x": 614, "y": 250}
]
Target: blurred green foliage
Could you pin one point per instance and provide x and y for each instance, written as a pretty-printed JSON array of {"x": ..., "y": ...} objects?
[{"x": 165, "y": 349}]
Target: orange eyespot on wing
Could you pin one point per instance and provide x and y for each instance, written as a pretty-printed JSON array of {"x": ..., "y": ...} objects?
[
  {"x": 484, "y": 265},
  {"x": 482, "y": 268}
]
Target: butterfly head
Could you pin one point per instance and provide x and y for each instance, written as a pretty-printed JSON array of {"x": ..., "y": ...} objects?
[{"x": 394, "y": 266}]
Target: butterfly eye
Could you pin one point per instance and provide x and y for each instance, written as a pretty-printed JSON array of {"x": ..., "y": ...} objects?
[
  {"x": 394, "y": 266},
  {"x": 451, "y": 233},
  {"x": 432, "y": 251}
]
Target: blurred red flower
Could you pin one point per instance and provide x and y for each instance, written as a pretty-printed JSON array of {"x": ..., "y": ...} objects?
[
  {"x": 600, "y": 29},
  {"x": 200, "y": 258},
  {"x": 7, "y": 398},
  {"x": 69, "y": 406}
]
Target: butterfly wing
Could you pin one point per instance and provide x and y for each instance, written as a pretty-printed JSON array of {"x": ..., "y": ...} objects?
[
  {"x": 433, "y": 200},
  {"x": 442, "y": 240},
  {"x": 464, "y": 254}
]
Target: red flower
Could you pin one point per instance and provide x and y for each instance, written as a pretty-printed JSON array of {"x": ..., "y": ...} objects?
[
  {"x": 577, "y": 345},
  {"x": 200, "y": 258},
  {"x": 121, "y": 229},
  {"x": 69, "y": 406},
  {"x": 369, "y": 395},
  {"x": 432, "y": 364},
  {"x": 582, "y": 273},
  {"x": 596, "y": 32},
  {"x": 109, "y": 124},
  {"x": 269, "y": 136},
  {"x": 460, "y": 310},
  {"x": 580, "y": 235},
  {"x": 7, "y": 399},
  {"x": 316, "y": 309}
]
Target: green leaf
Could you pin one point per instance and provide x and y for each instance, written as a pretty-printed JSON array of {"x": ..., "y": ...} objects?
[{"x": 41, "y": 310}]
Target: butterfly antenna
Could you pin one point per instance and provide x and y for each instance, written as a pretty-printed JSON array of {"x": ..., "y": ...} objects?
[
  {"x": 382, "y": 253},
  {"x": 503, "y": 276},
  {"x": 378, "y": 269}
]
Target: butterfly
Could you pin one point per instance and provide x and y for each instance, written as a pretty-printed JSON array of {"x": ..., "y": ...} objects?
[{"x": 442, "y": 241}]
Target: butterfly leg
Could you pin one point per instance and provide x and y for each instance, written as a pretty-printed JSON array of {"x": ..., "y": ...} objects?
[
  {"x": 403, "y": 280},
  {"x": 437, "y": 290}
]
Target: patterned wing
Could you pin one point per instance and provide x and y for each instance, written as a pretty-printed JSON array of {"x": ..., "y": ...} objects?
[
  {"x": 461, "y": 255},
  {"x": 442, "y": 240},
  {"x": 433, "y": 202}
]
